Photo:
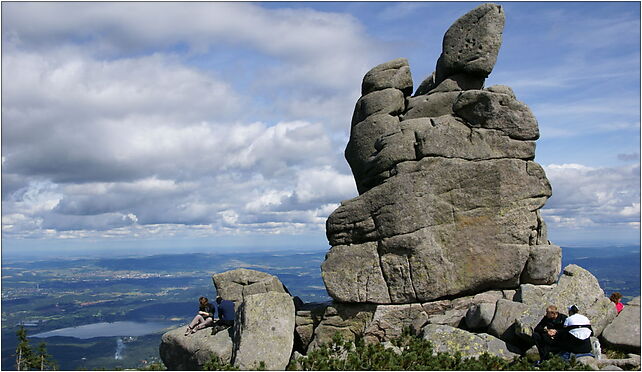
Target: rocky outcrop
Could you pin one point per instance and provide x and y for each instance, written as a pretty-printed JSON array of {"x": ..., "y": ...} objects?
[
  {"x": 235, "y": 285},
  {"x": 624, "y": 332},
  {"x": 447, "y": 339},
  {"x": 188, "y": 353},
  {"x": 449, "y": 192},
  {"x": 264, "y": 331}
]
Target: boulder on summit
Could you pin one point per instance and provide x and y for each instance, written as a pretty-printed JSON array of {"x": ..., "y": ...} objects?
[
  {"x": 235, "y": 285},
  {"x": 449, "y": 192}
]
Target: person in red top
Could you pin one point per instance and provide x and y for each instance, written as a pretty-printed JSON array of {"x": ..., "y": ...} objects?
[{"x": 615, "y": 298}]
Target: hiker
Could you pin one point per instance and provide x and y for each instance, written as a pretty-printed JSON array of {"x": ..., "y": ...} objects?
[
  {"x": 204, "y": 318},
  {"x": 577, "y": 332},
  {"x": 615, "y": 298},
  {"x": 225, "y": 313},
  {"x": 547, "y": 333}
]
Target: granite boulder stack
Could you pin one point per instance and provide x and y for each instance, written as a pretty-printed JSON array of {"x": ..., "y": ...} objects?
[{"x": 449, "y": 192}]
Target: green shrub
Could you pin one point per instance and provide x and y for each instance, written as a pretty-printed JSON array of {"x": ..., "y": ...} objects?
[
  {"x": 215, "y": 364},
  {"x": 415, "y": 354}
]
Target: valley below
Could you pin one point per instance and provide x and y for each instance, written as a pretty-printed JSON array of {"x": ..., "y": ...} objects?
[{"x": 109, "y": 313}]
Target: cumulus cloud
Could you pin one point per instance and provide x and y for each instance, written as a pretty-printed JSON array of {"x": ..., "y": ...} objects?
[
  {"x": 586, "y": 197},
  {"x": 125, "y": 118},
  {"x": 310, "y": 46}
]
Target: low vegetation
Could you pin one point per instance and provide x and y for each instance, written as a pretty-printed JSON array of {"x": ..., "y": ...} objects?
[{"x": 411, "y": 353}]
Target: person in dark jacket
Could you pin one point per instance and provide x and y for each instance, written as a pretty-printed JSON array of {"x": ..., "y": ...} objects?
[
  {"x": 548, "y": 333},
  {"x": 204, "y": 318},
  {"x": 225, "y": 314},
  {"x": 577, "y": 332}
]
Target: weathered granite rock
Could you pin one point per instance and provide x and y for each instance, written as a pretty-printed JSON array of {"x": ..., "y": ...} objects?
[
  {"x": 449, "y": 194},
  {"x": 490, "y": 110},
  {"x": 393, "y": 74},
  {"x": 480, "y": 316},
  {"x": 235, "y": 285},
  {"x": 264, "y": 331},
  {"x": 630, "y": 363},
  {"x": 461, "y": 226},
  {"x": 306, "y": 321},
  {"x": 450, "y": 137},
  {"x": 503, "y": 323},
  {"x": 543, "y": 265},
  {"x": 188, "y": 353},
  {"x": 472, "y": 43},
  {"x": 588, "y": 361},
  {"x": 624, "y": 332},
  {"x": 389, "y": 321},
  {"x": 346, "y": 319},
  {"x": 431, "y": 105},
  {"x": 363, "y": 282},
  {"x": 610, "y": 368},
  {"x": 448, "y": 339}
]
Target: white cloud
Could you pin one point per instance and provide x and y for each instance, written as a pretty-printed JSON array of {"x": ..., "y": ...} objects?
[
  {"x": 319, "y": 47},
  {"x": 588, "y": 197}
]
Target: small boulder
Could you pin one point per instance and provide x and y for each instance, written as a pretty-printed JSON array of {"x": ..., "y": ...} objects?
[
  {"x": 235, "y": 285},
  {"x": 187, "y": 353},
  {"x": 392, "y": 74},
  {"x": 450, "y": 340},
  {"x": 389, "y": 321},
  {"x": 264, "y": 331},
  {"x": 472, "y": 43},
  {"x": 624, "y": 332},
  {"x": 503, "y": 324},
  {"x": 479, "y": 317},
  {"x": 539, "y": 269}
]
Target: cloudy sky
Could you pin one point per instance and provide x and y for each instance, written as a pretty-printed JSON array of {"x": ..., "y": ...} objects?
[{"x": 165, "y": 126}]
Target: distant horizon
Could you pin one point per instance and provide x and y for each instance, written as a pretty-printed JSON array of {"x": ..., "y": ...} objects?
[{"x": 144, "y": 252}]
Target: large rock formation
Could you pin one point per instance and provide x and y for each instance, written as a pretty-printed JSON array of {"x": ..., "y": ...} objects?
[
  {"x": 445, "y": 238},
  {"x": 449, "y": 192}
]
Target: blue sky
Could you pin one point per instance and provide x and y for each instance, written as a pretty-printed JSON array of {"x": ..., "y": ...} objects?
[{"x": 181, "y": 126}]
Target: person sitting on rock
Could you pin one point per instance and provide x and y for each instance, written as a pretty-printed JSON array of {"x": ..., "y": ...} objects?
[
  {"x": 578, "y": 332},
  {"x": 225, "y": 313},
  {"x": 547, "y": 332},
  {"x": 615, "y": 298},
  {"x": 204, "y": 318}
]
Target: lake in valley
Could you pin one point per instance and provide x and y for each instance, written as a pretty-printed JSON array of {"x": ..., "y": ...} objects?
[{"x": 104, "y": 329}]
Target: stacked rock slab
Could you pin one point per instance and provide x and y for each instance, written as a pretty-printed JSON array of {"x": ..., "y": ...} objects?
[{"x": 449, "y": 192}]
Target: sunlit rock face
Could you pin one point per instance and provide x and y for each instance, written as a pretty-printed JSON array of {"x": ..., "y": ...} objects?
[{"x": 449, "y": 192}]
